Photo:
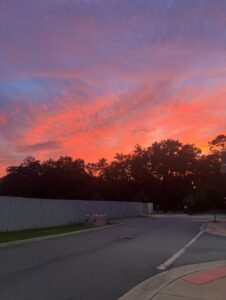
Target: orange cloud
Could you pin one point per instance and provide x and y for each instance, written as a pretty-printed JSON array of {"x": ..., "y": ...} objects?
[
  {"x": 116, "y": 123},
  {"x": 91, "y": 79}
]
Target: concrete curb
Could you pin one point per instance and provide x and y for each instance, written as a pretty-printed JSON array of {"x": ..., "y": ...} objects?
[
  {"x": 149, "y": 288},
  {"x": 204, "y": 225},
  {"x": 48, "y": 237},
  {"x": 215, "y": 231}
]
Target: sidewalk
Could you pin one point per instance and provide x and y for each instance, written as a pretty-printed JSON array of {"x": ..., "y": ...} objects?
[
  {"x": 209, "y": 284},
  {"x": 218, "y": 228},
  {"x": 205, "y": 281}
]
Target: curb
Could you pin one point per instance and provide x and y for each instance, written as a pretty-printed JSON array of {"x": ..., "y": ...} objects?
[
  {"x": 215, "y": 231},
  {"x": 149, "y": 288},
  {"x": 48, "y": 237},
  {"x": 204, "y": 226}
]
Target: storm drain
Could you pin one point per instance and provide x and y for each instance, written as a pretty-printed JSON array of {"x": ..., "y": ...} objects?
[{"x": 128, "y": 237}]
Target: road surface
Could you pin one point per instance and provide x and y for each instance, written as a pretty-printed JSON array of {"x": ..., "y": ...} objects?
[{"x": 104, "y": 264}]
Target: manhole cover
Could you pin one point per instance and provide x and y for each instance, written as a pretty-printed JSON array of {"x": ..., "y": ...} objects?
[{"x": 128, "y": 237}]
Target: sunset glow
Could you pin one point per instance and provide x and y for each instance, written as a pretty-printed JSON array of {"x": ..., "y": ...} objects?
[{"x": 89, "y": 78}]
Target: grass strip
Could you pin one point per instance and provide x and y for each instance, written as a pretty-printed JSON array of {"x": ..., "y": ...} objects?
[{"x": 10, "y": 236}]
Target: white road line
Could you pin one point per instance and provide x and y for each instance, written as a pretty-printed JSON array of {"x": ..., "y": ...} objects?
[{"x": 172, "y": 259}]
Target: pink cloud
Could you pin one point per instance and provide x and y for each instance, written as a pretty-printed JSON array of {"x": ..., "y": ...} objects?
[
  {"x": 102, "y": 76},
  {"x": 115, "y": 124}
]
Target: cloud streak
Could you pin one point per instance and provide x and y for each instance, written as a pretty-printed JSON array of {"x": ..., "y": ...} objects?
[{"x": 49, "y": 145}]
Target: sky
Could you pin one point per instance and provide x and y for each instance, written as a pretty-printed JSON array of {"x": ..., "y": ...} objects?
[{"x": 89, "y": 78}]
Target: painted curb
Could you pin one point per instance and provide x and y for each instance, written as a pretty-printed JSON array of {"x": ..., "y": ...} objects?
[
  {"x": 48, "y": 237},
  {"x": 149, "y": 288}
]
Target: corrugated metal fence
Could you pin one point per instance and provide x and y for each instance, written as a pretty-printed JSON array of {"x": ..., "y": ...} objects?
[{"x": 17, "y": 213}]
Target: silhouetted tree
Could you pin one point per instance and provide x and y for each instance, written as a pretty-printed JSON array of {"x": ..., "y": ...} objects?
[
  {"x": 218, "y": 144},
  {"x": 168, "y": 173}
]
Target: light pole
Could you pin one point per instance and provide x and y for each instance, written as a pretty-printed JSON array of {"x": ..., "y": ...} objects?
[
  {"x": 223, "y": 171},
  {"x": 194, "y": 191},
  {"x": 214, "y": 212},
  {"x": 223, "y": 166},
  {"x": 213, "y": 195}
]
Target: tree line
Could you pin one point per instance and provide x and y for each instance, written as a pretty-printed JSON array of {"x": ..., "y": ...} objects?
[{"x": 168, "y": 173}]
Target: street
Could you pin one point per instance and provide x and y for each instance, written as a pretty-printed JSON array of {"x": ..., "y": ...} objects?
[{"x": 103, "y": 264}]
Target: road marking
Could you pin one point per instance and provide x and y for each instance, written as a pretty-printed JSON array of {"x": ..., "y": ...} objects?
[{"x": 172, "y": 259}]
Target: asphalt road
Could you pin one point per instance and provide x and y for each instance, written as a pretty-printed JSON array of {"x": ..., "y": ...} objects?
[{"x": 103, "y": 264}]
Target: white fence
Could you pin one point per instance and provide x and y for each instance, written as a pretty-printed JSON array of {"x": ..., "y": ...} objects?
[{"x": 17, "y": 213}]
